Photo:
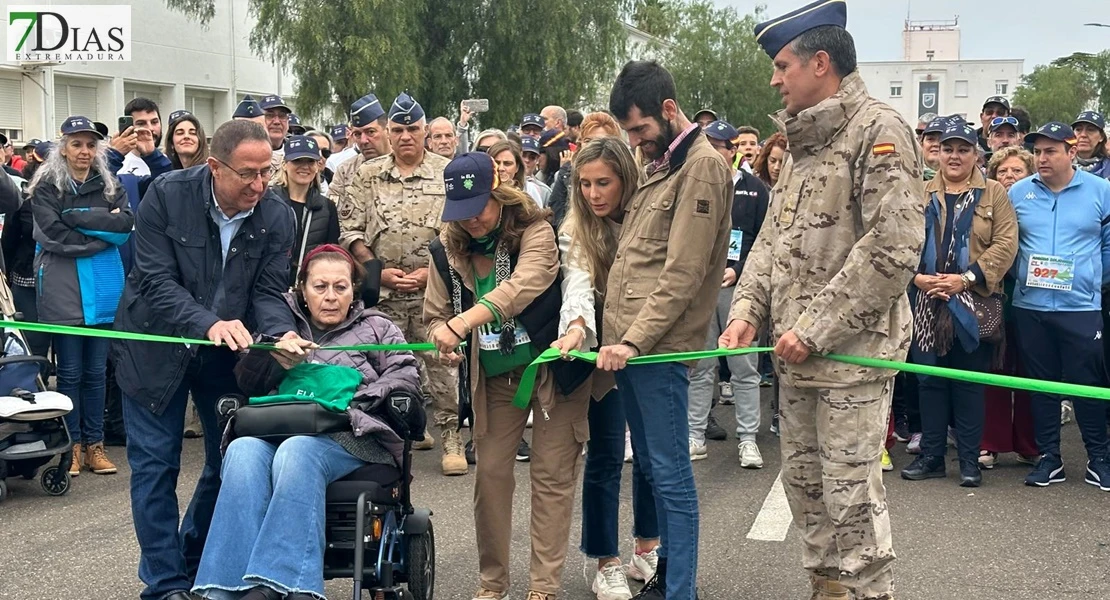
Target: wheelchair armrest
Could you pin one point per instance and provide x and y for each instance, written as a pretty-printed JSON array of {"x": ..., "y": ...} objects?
[
  {"x": 407, "y": 409},
  {"x": 25, "y": 358},
  {"x": 228, "y": 404}
]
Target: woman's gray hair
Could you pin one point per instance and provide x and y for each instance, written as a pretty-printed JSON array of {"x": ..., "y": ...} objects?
[
  {"x": 55, "y": 170},
  {"x": 497, "y": 133}
]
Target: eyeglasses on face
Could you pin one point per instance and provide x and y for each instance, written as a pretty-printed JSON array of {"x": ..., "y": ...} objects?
[{"x": 248, "y": 175}]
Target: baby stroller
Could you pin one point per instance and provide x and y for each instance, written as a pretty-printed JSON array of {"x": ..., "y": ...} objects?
[{"x": 32, "y": 431}]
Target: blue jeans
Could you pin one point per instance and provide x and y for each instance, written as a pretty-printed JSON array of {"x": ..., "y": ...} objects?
[
  {"x": 656, "y": 405},
  {"x": 601, "y": 483},
  {"x": 81, "y": 364},
  {"x": 169, "y": 556},
  {"x": 269, "y": 520}
]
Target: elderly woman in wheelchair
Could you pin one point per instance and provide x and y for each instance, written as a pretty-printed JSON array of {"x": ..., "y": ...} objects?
[{"x": 267, "y": 539}]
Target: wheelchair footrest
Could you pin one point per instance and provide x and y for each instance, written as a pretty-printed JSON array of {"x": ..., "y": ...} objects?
[{"x": 389, "y": 593}]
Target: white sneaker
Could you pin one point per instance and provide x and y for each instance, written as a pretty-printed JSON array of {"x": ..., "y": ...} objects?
[
  {"x": 529, "y": 423},
  {"x": 914, "y": 447},
  {"x": 610, "y": 583},
  {"x": 627, "y": 446},
  {"x": 642, "y": 566},
  {"x": 698, "y": 451},
  {"x": 750, "y": 458}
]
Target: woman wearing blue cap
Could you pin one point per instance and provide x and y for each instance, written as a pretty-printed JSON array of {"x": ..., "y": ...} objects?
[
  {"x": 298, "y": 183},
  {"x": 81, "y": 218},
  {"x": 1090, "y": 144},
  {"x": 493, "y": 284},
  {"x": 970, "y": 243}
]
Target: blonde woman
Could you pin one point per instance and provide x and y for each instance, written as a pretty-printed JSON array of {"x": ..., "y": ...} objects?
[{"x": 298, "y": 183}]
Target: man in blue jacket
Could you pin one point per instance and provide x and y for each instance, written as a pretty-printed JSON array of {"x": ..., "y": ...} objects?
[
  {"x": 211, "y": 261},
  {"x": 1062, "y": 264}
]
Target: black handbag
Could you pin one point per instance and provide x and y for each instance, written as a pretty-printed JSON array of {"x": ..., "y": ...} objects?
[
  {"x": 988, "y": 311},
  {"x": 278, "y": 422}
]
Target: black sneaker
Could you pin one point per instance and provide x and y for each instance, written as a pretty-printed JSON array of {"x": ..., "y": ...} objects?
[
  {"x": 902, "y": 430},
  {"x": 469, "y": 453},
  {"x": 656, "y": 587},
  {"x": 1048, "y": 471},
  {"x": 925, "y": 467},
  {"x": 523, "y": 452},
  {"x": 970, "y": 476},
  {"x": 714, "y": 431},
  {"x": 1098, "y": 473}
]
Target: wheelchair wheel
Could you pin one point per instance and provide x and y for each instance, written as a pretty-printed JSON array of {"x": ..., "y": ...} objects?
[{"x": 421, "y": 564}]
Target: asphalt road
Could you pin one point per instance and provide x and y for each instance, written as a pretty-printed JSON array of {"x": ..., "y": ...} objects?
[{"x": 1003, "y": 541}]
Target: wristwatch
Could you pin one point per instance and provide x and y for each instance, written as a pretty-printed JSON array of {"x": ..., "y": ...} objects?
[{"x": 970, "y": 275}]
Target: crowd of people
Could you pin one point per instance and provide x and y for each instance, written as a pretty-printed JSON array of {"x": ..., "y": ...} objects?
[{"x": 631, "y": 231}]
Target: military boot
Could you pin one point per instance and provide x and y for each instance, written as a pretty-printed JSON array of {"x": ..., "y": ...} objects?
[{"x": 827, "y": 589}]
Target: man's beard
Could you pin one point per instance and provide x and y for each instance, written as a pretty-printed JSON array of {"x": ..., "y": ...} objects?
[
  {"x": 664, "y": 140},
  {"x": 158, "y": 140}
]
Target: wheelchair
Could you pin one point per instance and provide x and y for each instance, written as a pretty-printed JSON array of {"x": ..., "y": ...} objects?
[{"x": 373, "y": 534}]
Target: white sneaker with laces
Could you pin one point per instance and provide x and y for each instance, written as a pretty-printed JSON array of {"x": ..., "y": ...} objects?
[
  {"x": 698, "y": 451},
  {"x": 642, "y": 566},
  {"x": 610, "y": 583},
  {"x": 750, "y": 458},
  {"x": 627, "y": 446}
]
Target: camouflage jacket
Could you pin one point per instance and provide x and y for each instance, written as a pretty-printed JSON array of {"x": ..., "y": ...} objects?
[
  {"x": 395, "y": 217},
  {"x": 343, "y": 177},
  {"x": 843, "y": 239}
]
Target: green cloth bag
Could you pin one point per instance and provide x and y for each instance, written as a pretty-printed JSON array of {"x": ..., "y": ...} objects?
[{"x": 331, "y": 386}]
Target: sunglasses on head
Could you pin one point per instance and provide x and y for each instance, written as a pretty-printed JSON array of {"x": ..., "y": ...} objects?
[
  {"x": 482, "y": 149},
  {"x": 1000, "y": 121}
]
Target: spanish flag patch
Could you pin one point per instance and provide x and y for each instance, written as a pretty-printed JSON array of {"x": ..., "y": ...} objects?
[{"x": 881, "y": 149}]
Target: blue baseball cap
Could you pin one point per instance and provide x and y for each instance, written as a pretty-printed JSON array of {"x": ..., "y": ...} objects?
[
  {"x": 1091, "y": 117},
  {"x": 301, "y": 146},
  {"x": 532, "y": 120},
  {"x": 1000, "y": 100},
  {"x": 773, "y": 35},
  {"x": 1055, "y": 131},
  {"x": 469, "y": 179},
  {"x": 177, "y": 114},
  {"x": 960, "y": 131},
  {"x": 339, "y": 132},
  {"x": 31, "y": 143},
  {"x": 273, "y": 101},
  {"x": 43, "y": 150},
  {"x": 530, "y": 144},
  {"x": 79, "y": 124},
  {"x": 552, "y": 138},
  {"x": 721, "y": 130},
  {"x": 295, "y": 126},
  {"x": 247, "y": 109},
  {"x": 366, "y": 110},
  {"x": 405, "y": 110}
]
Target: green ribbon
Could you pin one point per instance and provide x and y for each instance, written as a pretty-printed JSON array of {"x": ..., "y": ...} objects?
[
  {"x": 528, "y": 379},
  {"x": 167, "y": 339}
]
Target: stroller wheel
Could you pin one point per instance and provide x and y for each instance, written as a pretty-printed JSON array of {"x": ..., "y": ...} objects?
[
  {"x": 55, "y": 481},
  {"x": 3, "y": 490}
]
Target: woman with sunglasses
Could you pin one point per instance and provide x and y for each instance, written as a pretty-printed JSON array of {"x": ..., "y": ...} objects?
[
  {"x": 298, "y": 183},
  {"x": 1090, "y": 142}
]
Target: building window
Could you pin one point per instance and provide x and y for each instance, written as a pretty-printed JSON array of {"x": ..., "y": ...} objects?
[
  {"x": 203, "y": 108},
  {"x": 961, "y": 89},
  {"x": 11, "y": 108},
  {"x": 1001, "y": 87},
  {"x": 895, "y": 89},
  {"x": 70, "y": 100}
]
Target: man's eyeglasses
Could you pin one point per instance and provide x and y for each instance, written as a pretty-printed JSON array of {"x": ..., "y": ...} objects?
[
  {"x": 277, "y": 115},
  {"x": 248, "y": 175}
]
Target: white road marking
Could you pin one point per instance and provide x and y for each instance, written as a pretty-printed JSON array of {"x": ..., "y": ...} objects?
[{"x": 774, "y": 518}]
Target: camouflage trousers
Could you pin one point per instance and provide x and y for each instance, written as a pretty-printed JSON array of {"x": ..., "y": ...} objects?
[
  {"x": 832, "y": 443},
  {"x": 438, "y": 382}
]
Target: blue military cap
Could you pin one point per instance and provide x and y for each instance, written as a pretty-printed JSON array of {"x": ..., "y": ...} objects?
[
  {"x": 366, "y": 110},
  {"x": 1091, "y": 117},
  {"x": 530, "y": 144},
  {"x": 960, "y": 131},
  {"x": 1054, "y": 130},
  {"x": 295, "y": 126},
  {"x": 247, "y": 109},
  {"x": 301, "y": 146},
  {"x": 405, "y": 110},
  {"x": 177, "y": 114},
  {"x": 775, "y": 34},
  {"x": 720, "y": 130},
  {"x": 339, "y": 132},
  {"x": 43, "y": 150},
  {"x": 79, "y": 124},
  {"x": 273, "y": 101},
  {"x": 937, "y": 125},
  {"x": 532, "y": 119}
]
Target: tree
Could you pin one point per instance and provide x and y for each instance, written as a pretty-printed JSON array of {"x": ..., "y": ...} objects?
[
  {"x": 1097, "y": 69},
  {"x": 717, "y": 63},
  {"x": 656, "y": 17},
  {"x": 1054, "y": 93},
  {"x": 520, "y": 54}
]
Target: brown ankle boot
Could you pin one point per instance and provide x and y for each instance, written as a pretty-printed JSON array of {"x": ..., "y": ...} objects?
[
  {"x": 77, "y": 462},
  {"x": 453, "y": 463},
  {"x": 97, "y": 460},
  {"x": 827, "y": 589}
]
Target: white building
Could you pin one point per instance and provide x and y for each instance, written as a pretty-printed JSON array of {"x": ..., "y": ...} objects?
[
  {"x": 933, "y": 78},
  {"x": 174, "y": 61}
]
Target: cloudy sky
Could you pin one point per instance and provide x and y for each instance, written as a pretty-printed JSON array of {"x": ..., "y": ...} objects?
[{"x": 1011, "y": 29}]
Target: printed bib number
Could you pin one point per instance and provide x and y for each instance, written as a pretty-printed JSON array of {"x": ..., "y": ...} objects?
[
  {"x": 734, "y": 242},
  {"x": 492, "y": 341},
  {"x": 1050, "y": 272}
]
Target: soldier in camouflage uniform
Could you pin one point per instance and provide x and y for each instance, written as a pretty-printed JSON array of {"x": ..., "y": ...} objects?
[
  {"x": 390, "y": 214},
  {"x": 368, "y": 131},
  {"x": 829, "y": 272}
]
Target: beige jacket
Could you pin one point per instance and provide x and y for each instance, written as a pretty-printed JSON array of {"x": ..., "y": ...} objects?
[
  {"x": 666, "y": 275},
  {"x": 536, "y": 269},
  {"x": 842, "y": 239}
]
